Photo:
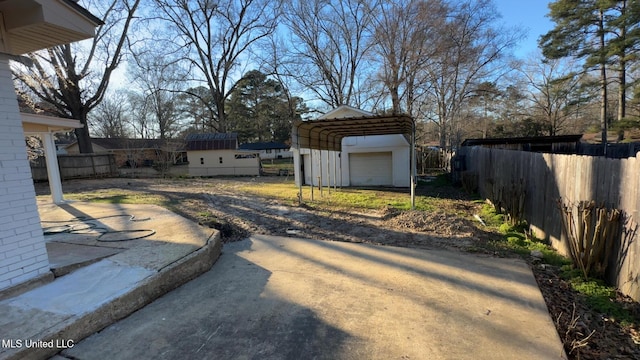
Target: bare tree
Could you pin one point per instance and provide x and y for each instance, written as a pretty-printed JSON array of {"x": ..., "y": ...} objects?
[
  {"x": 469, "y": 49},
  {"x": 73, "y": 78},
  {"x": 140, "y": 115},
  {"x": 276, "y": 63},
  {"x": 109, "y": 119},
  {"x": 160, "y": 84},
  {"x": 216, "y": 35},
  {"x": 551, "y": 87},
  {"x": 330, "y": 41},
  {"x": 402, "y": 43}
]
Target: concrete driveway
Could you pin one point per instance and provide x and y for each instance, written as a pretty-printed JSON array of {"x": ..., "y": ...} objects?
[{"x": 286, "y": 298}]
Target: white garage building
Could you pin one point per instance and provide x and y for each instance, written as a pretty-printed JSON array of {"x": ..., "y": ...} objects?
[{"x": 369, "y": 160}]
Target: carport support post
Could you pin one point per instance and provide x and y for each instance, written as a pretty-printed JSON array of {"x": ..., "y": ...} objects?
[
  {"x": 298, "y": 169},
  {"x": 311, "y": 171},
  {"x": 412, "y": 171},
  {"x": 328, "y": 172},
  {"x": 335, "y": 172},
  {"x": 320, "y": 177},
  {"x": 340, "y": 159}
]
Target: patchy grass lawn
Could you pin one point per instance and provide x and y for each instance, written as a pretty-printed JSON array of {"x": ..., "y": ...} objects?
[{"x": 349, "y": 198}]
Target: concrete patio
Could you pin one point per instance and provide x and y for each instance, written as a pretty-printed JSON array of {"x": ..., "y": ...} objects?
[{"x": 109, "y": 260}]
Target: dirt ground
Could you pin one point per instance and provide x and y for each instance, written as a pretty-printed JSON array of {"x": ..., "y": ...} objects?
[{"x": 220, "y": 203}]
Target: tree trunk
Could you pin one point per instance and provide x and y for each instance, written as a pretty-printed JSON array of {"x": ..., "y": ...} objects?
[
  {"x": 622, "y": 91},
  {"x": 84, "y": 140},
  {"x": 603, "y": 85},
  {"x": 622, "y": 75},
  {"x": 443, "y": 135}
]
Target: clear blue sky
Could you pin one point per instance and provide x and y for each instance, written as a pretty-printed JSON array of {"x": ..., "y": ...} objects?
[{"x": 529, "y": 15}]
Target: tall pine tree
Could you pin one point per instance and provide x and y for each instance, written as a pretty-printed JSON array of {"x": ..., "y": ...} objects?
[
  {"x": 580, "y": 32},
  {"x": 605, "y": 34}
]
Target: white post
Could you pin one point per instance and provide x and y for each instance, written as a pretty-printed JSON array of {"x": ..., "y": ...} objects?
[
  {"x": 412, "y": 171},
  {"x": 311, "y": 170},
  {"x": 297, "y": 172},
  {"x": 320, "y": 177},
  {"x": 53, "y": 171},
  {"x": 335, "y": 170}
]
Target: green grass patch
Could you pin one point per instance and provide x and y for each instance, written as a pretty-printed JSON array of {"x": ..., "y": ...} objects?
[
  {"x": 440, "y": 180},
  {"x": 514, "y": 240},
  {"x": 345, "y": 198},
  {"x": 490, "y": 216},
  {"x": 120, "y": 197},
  {"x": 599, "y": 296}
]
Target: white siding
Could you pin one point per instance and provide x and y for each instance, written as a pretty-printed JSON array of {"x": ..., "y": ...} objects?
[
  {"x": 222, "y": 162},
  {"x": 23, "y": 254},
  {"x": 326, "y": 166}
]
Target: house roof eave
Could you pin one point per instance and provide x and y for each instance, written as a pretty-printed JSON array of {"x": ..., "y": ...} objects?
[{"x": 34, "y": 123}]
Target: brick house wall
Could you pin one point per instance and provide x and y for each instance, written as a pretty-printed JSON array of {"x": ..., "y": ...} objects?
[{"x": 23, "y": 255}]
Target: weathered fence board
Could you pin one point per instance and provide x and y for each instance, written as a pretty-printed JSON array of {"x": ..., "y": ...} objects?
[
  {"x": 572, "y": 178},
  {"x": 77, "y": 166}
]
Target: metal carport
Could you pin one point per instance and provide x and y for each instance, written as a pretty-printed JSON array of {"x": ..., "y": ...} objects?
[{"x": 327, "y": 134}]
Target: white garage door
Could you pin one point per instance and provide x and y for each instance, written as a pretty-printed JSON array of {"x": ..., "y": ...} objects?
[{"x": 366, "y": 169}]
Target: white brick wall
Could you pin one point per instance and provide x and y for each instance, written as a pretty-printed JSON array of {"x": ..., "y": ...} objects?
[{"x": 22, "y": 247}]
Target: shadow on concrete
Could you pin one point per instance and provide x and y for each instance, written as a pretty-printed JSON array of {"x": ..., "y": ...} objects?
[
  {"x": 289, "y": 298},
  {"x": 473, "y": 288},
  {"x": 223, "y": 314}
]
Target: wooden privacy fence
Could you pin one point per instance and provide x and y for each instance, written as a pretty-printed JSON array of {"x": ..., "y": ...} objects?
[
  {"x": 77, "y": 166},
  {"x": 546, "y": 178}
]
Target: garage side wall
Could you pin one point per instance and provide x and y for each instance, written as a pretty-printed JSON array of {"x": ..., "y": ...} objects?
[{"x": 23, "y": 255}]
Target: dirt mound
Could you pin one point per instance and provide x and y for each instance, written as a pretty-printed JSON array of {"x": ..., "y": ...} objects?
[{"x": 433, "y": 222}]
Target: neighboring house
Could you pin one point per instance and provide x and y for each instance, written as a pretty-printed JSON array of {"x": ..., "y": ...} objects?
[
  {"x": 137, "y": 152},
  {"x": 269, "y": 150},
  {"x": 376, "y": 160},
  {"x": 218, "y": 154},
  {"x": 29, "y": 25}
]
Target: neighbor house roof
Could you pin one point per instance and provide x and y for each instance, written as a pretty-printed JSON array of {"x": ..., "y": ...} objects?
[
  {"x": 212, "y": 141},
  {"x": 264, "y": 146}
]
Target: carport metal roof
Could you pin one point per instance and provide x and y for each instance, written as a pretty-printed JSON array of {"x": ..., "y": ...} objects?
[{"x": 327, "y": 134}]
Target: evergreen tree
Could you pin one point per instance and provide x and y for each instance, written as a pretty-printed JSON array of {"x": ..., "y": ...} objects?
[
  {"x": 580, "y": 32},
  {"x": 258, "y": 109},
  {"x": 605, "y": 34}
]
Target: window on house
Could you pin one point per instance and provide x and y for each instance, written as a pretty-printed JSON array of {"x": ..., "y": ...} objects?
[
  {"x": 268, "y": 151},
  {"x": 220, "y": 159},
  {"x": 201, "y": 161},
  {"x": 245, "y": 156}
]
